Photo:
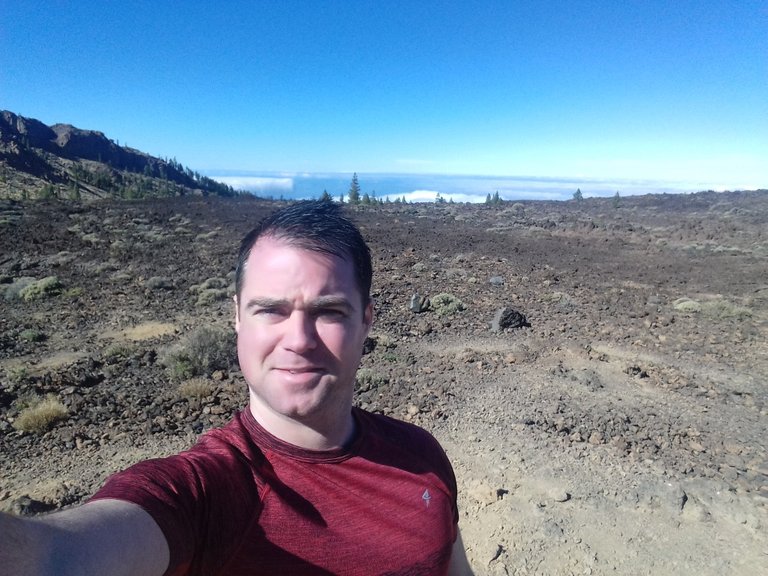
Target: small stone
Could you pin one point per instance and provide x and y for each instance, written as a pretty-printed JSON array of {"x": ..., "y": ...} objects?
[
  {"x": 559, "y": 495},
  {"x": 418, "y": 304},
  {"x": 576, "y": 437}
]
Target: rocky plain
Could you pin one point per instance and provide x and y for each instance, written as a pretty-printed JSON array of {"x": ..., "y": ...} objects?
[{"x": 595, "y": 370}]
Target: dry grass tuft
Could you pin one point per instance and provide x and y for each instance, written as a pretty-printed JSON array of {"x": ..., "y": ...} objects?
[
  {"x": 196, "y": 389},
  {"x": 41, "y": 416}
]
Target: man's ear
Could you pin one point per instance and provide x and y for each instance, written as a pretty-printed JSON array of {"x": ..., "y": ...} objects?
[{"x": 237, "y": 313}]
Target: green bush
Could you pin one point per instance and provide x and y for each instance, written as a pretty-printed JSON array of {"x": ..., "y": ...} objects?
[
  {"x": 32, "y": 335},
  {"x": 44, "y": 288},
  {"x": 686, "y": 305},
  {"x": 75, "y": 292},
  {"x": 446, "y": 304},
  {"x": 18, "y": 375}
]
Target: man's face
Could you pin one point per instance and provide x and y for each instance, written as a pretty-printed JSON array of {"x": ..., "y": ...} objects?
[{"x": 300, "y": 330}]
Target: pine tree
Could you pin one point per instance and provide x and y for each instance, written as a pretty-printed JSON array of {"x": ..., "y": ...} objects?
[
  {"x": 326, "y": 197},
  {"x": 578, "y": 196},
  {"x": 354, "y": 190}
]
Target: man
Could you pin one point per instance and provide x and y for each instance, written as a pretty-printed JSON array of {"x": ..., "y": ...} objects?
[{"x": 301, "y": 482}]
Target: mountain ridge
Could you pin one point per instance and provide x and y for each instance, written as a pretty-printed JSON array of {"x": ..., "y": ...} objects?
[{"x": 61, "y": 160}]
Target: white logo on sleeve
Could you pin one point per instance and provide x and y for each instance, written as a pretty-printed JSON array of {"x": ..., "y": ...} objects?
[{"x": 426, "y": 497}]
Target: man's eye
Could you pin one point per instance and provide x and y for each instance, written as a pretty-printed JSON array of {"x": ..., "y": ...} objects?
[
  {"x": 268, "y": 312},
  {"x": 332, "y": 314}
]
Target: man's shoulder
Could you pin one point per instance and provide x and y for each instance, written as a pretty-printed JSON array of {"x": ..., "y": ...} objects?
[
  {"x": 381, "y": 423},
  {"x": 380, "y": 429},
  {"x": 220, "y": 456},
  {"x": 403, "y": 445},
  {"x": 233, "y": 440}
]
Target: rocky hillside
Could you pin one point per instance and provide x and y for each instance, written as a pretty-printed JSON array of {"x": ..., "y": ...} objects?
[{"x": 40, "y": 161}]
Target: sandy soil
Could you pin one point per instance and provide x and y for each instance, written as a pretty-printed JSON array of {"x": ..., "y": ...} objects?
[{"x": 622, "y": 431}]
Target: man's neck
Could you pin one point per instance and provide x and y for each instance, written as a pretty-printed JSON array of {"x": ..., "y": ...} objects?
[{"x": 310, "y": 435}]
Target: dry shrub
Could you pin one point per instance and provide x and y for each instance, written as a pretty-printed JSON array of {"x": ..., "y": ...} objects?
[
  {"x": 722, "y": 309},
  {"x": 195, "y": 389},
  {"x": 211, "y": 295},
  {"x": 384, "y": 340},
  {"x": 159, "y": 283},
  {"x": 715, "y": 309},
  {"x": 686, "y": 305},
  {"x": 13, "y": 290},
  {"x": 118, "y": 351},
  {"x": 201, "y": 353},
  {"x": 41, "y": 416},
  {"x": 366, "y": 379},
  {"x": 211, "y": 291},
  {"x": 208, "y": 284}
]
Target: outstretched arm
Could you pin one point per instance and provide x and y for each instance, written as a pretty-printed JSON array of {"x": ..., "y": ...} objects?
[
  {"x": 459, "y": 565},
  {"x": 105, "y": 537}
]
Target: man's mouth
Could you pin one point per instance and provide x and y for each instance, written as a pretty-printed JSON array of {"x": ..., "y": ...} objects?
[{"x": 302, "y": 370}]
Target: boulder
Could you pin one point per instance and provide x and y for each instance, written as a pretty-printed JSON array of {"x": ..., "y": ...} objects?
[{"x": 507, "y": 318}]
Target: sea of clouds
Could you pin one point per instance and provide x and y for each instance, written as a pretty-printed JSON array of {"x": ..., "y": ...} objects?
[{"x": 428, "y": 187}]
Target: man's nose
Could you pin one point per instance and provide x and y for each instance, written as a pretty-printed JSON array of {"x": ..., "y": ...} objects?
[{"x": 300, "y": 332}]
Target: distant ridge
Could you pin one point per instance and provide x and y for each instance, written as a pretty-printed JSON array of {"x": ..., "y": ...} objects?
[{"x": 41, "y": 161}]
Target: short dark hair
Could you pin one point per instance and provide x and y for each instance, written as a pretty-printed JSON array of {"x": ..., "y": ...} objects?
[{"x": 316, "y": 225}]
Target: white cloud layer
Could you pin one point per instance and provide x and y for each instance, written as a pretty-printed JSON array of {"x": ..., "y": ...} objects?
[
  {"x": 260, "y": 185},
  {"x": 467, "y": 188}
]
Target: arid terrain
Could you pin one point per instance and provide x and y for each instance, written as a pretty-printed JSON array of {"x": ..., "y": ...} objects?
[{"x": 623, "y": 429}]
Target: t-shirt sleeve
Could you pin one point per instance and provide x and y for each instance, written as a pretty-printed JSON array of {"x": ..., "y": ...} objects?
[{"x": 169, "y": 490}]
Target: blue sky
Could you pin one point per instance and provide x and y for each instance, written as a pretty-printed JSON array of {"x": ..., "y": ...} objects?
[{"x": 671, "y": 92}]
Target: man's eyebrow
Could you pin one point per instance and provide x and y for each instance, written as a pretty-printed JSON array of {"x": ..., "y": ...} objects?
[
  {"x": 265, "y": 302},
  {"x": 331, "y": 302},
  {"x": 317, "y": 303}
]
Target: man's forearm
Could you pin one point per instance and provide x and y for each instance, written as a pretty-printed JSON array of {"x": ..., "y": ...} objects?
[
  {"x": 22, "y": 546},
  {"x": 104, "y": 538}
]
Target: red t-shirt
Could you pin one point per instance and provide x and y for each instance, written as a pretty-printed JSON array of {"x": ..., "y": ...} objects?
[{"x": 244, "y": 502}]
